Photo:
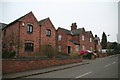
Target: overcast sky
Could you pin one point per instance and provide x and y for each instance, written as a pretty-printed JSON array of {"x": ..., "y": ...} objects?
[{"x": 94, "y": 15}]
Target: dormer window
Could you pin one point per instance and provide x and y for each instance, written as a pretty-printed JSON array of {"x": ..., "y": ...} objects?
[
  {"x": 29, "y": 28},
  {"x": 48, "y": 32}
]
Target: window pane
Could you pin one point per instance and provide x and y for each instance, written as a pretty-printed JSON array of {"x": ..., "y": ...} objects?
[
  {"x": 82, "y": 37},
  {"x": 48, "y": 32},
  {"x": 29, "y": 46},
  {"x": 29, "y": 28}
]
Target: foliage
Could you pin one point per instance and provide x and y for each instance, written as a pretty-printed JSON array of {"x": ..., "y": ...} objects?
[
  {"x": 75, "y": 54},
  {"x": 104, "y": 41},
  {"x": 48, "y": 50},
  {"x": 62, "y": 55},
  {"x": 114, "y": 48},
  {"x": 8, "y": 53}
]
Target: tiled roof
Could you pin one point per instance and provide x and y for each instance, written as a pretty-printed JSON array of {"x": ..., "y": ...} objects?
[
  {"x": 74, "y": 42},
  {"x": 2, "y": 25},
  {"x": 41, "y": 21},
  {"x": 17, "y": 20},
  {"x": 72, "y": 32}
]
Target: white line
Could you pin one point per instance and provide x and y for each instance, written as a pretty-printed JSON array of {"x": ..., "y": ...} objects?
[
  {"x": 109, "y": 64},
  {"x": 83, "y": 75}
]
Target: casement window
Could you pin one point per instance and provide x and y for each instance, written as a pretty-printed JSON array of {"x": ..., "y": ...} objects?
[
  {"x": 48, "y": 32},
  {"x": 99, "y": 49},
  {"x": 83, "y": 38},
  {"x": 83, "y": 47},
  {"x": 29, "y": 47},
  {"x": 77, "y": 48},
  {"x": 59, "y": 48},
  {"x": 29, "y": 28},
  {"x": 59, "y": 37},
  {"x": 90, "y": 39},
  {"x": 90, "y": 48}
]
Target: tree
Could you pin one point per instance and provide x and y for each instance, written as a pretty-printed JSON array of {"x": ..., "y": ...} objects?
[{"x": 104, "y": 41}]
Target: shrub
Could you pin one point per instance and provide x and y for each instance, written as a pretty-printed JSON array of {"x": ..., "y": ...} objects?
[
  {"x": 8, "y": 53},
  {"x": 48, "y": 50}
]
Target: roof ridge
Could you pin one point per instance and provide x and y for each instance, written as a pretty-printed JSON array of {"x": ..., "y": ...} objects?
[{"x": 17, "y": 19}]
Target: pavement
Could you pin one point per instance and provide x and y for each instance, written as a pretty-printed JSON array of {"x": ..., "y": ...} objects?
[
  {"x": 106, "y": 67},
  {"x": 42, "y": 71}
]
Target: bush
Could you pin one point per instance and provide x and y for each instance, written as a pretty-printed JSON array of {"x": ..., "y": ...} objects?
[
  {"x": 75, "y": 54},
  {"x": 48, "y": 51},
  {"x": 8, "y": 53}
]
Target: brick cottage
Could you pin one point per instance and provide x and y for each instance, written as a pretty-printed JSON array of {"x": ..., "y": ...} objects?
[
  {"x": 74, "y": 40},
  {"x": 27, "y": 35}
]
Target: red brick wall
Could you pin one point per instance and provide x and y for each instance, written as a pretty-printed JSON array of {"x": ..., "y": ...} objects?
[
  {"x": 11, "y": 34},
  {"x": 90, "y": 44},
  {"x": 10, "y": 66},
  {"x": 23, "y": 36},
  {"x": 45, "y": 39},
  {"x": 26, "y": 37},
  {"x": 85, "y": 40},
  {"x": 63, "y": 42}
]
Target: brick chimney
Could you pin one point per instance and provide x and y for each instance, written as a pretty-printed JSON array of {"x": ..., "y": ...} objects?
[{"x": 73, "y": 26}]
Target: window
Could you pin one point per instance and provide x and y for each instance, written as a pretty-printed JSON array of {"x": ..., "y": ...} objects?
[
  {"x": 90, "y": 48},
  {"x": 4, "y": 32},
  {"x": 29, "y": 47},
  {"x": 82, "y": 38},
  {"x": 59, "y": 48},
  {"x": 59, "y": 37},
  {"x": 48, "y": 32},
  {"x": 90, "y": 39},
  {"x": 29, "y": 28},
  {"x": 99, "y": 50},
  {"x": 98, "y": 42},
  {"x": 77, "y": 48},
  {"x": 83, "y": 47}
]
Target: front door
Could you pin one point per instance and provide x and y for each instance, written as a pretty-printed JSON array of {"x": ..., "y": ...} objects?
[{"x": 68, "y": 49}]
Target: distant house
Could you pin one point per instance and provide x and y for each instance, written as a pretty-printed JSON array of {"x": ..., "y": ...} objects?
[
  {"x": 74, "y": 40},
  {"x": 98, "y": 47},
  {"x": 27, "y": 35}
]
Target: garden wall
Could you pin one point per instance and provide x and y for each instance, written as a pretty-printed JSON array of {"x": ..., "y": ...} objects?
[{"x": 17, "y": 65}]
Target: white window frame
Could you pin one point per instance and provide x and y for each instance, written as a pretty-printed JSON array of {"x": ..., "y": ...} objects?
[
  {"x": 77, "y": 47},
  {"x": 90, "y": 39},
  {"x": 83, "y": 47},
  {"x": 59, "y": 37},
  {"x": 83, "y": 38},
  {"x": 59, "y": 48}
]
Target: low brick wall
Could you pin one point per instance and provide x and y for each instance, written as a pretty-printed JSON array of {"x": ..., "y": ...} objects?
[{"x": 15, "y": 65}]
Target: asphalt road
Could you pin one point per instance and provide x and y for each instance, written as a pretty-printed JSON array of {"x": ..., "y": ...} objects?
[{"x": 98, "y": 68}]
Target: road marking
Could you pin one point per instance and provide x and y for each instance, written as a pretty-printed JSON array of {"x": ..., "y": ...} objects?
[
  {"x": 83, "y": 75},
  {"x": 109, "y": 64}
]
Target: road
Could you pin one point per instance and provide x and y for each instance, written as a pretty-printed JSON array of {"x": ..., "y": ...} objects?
[{"x": 98, "y": 68}]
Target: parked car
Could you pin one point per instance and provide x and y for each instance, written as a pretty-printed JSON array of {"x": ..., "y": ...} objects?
[{"x": 88, "y": 54}]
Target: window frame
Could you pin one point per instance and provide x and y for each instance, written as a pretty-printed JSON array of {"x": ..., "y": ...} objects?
[
  {"x": 59, "y": 48},
  {"x": 83, "y": 47},
  {"x": 77, "y": 48},
  {"x": 90, "y": 39},
  {"x": 83, "y": 38},
  {"x": 48, "y": 32},
  {"x": 29, "y": 28},
  {"x": 28, "y": 47},
  {"x": 59, "y": 37}
]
